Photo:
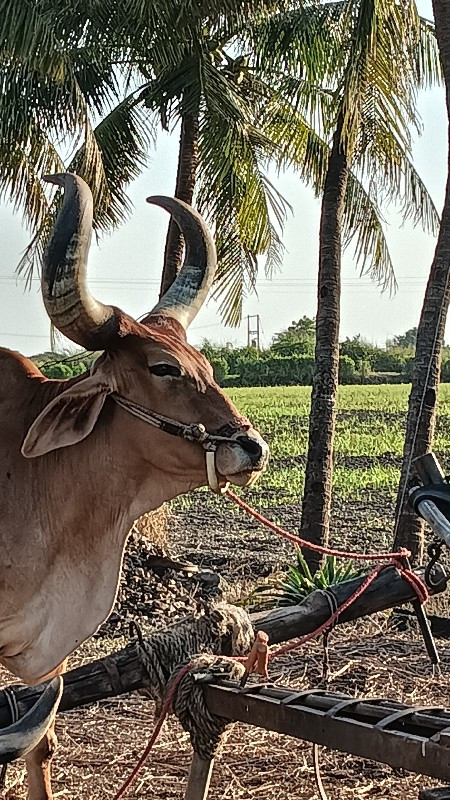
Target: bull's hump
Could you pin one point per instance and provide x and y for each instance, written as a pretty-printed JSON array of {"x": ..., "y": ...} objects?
[{"x": 15, "y": 367}]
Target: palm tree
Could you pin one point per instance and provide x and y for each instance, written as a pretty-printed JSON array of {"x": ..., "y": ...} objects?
[
  {"x": 430, "y": 336},
  {"x": 174, "y": 58},
  {"x": 379, "y": 52}
]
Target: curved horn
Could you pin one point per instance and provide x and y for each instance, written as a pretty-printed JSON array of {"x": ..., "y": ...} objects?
[
  {"x": 69, "y": 304},
  {"x": 17, "y": 740},
  {"x": 184, "y": 299}
]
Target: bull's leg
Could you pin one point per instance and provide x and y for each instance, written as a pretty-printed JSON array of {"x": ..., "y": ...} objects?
[{"x": 39, "y": 760}]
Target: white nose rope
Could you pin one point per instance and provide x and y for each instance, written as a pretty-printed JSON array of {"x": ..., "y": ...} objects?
[{"x": 213, "y": 481}]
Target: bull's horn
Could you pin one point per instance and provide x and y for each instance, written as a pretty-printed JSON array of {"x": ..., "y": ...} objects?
[
  {"x": 184, "y": 299},
  {"x": 67, "y": 299},
  {"x": 17, "y": 740}
]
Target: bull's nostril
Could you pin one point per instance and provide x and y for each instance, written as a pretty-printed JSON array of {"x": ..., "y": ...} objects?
[{"x": 251, "y": 446}]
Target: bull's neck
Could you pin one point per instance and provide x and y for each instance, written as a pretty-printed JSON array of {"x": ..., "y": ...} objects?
[{"x": 147, "y": 476}]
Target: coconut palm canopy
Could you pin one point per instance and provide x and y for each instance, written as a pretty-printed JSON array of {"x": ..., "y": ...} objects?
[{"x": 85, "y": 87}]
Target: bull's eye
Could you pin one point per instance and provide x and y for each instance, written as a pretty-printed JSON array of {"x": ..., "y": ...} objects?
[{"x": 161, "y": 370}]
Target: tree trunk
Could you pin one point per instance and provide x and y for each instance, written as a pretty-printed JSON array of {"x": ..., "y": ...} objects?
[
  {"x": 430, "y": 336},
  {"x": 184, "y": 190},
  {"x": 319, "y": 467}
]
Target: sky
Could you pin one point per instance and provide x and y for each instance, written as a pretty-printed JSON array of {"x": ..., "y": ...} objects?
[{"x": 125, "y": 266}]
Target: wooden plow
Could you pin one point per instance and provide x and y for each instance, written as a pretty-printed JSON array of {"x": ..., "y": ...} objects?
[{"x": 411, "y": 738}]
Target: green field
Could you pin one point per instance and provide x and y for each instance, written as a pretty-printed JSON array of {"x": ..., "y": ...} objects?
[{"x": 368, "y": 445}]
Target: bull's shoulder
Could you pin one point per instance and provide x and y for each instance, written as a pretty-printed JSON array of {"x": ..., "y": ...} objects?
[{"x": 15, "y": 368}]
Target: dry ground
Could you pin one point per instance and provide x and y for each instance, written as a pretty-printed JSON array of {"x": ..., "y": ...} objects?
[{"x": 99, "y": 745}]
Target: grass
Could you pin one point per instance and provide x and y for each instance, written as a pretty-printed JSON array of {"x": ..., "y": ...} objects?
[{"x": 368, "y": 446}]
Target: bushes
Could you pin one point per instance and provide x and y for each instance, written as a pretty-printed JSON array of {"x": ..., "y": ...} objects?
[
  {"x": 220, "y": 369},
  {"x": 272, "y": 370},
  {"x": 445, "y": 372},
  {"x": 276, "y": 371},
  {"x": 347, "y": 370},
  {"x": 383, "y": 361},
  {"x": 63, "y": 365},
  {"x": 56, "y": 371}
]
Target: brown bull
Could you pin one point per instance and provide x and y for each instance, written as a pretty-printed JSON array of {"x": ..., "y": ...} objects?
[{"x": 81, "y": 459}]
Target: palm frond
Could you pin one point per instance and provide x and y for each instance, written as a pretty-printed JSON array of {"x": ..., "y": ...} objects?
[
  {"x": 428, "y": 63},
  {"x": 234, "y": 192},
  {"x": 27, "y": 33},
  {"x": 20, "y": 184},
  {"x": 113, "y": 154},
  {"x": 389, "y": 167},
  {"x": 305, "y": 151},
  {"x": 363, "y": 226}
]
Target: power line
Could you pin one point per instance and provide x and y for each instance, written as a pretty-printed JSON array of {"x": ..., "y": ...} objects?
[
  {"x": 285, "y": 282},
  {"x": 26, "y": 335}
]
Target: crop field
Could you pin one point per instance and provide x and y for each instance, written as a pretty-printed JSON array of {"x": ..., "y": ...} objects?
[
  {"x": 369, "y": 437},
  {"x": 368, "y": 444},
  {"x": 99, "y": 745}
]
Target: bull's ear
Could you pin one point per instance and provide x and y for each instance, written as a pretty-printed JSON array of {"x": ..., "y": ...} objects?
[{"x": 68, "y": 418}]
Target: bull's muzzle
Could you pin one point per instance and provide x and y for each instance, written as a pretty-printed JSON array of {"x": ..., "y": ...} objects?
[
  {"x": 243, "y": 460},
  {"x": 20, "y": 738}
]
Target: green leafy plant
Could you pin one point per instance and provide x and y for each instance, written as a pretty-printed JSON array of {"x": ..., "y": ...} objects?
[{"x": 298, "y": 582}]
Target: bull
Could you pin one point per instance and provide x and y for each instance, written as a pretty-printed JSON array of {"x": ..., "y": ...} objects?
[{"x": 81, "y": 459}]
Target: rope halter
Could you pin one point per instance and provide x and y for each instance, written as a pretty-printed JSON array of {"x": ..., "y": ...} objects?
[{"x": 192, "y": 432}]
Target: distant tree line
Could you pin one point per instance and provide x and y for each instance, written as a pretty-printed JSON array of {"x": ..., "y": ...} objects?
[
  {"x": 64, "y": 364},
  {"x": 289, "y": 361}
]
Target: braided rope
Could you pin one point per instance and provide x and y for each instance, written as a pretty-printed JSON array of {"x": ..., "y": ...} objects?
[
  {"x": 206, "y": 730},
  {"x": 225, "y": 630},
  {"x": 175, "y": 669}
]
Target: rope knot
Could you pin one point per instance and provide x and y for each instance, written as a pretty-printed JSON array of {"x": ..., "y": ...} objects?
[
  {"x": 206, "y": 730},
  {"x": 220, "y": 630}
]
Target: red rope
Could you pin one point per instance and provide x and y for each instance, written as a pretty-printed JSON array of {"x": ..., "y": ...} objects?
[
  {"x": 157, "y": 730},
  {"x": 328, "y": 551},
  {"x": 414, "y": 581},
  {"x": 287, "y": 648}
]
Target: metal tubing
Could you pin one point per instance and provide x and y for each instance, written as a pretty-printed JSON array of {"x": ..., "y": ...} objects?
[
  {"x": 401, "y": 743},
  {"x": 436, "y": 519}
]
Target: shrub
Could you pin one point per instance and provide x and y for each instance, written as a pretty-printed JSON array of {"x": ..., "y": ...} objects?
[
  {"x": 220, "y": 369},
  {"x": 384, "y": 361},
  {"x": 276, "y": 371},
  {"x": 445, "y": 372},
  {"x": 358, "y": 350},
  {"x": 408, "y": 368},
  {"x": 298, "y": 583},
  {"x": 347, "y": 370},
  {"x": 56, "y": 370}
]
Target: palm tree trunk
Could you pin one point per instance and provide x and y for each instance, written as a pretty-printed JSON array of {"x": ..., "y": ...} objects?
[
  {"x": 430, "y": 336},
  {"x": 184, "y": 190},
  {"x": 319, "y": 467}
]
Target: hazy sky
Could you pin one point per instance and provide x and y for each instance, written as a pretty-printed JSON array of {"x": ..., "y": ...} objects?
[{"x": 125, "y": 267}]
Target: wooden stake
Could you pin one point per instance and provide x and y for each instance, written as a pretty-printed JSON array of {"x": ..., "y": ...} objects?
[{"x": 199, "y": 778}]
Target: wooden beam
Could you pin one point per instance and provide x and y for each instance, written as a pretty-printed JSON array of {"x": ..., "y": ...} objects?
[
  {"x": 123, "y": 672},
  {"x": 388, "y": 590}
]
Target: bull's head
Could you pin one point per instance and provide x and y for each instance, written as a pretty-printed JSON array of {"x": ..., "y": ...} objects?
[{"x": 148, "y": 363}]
